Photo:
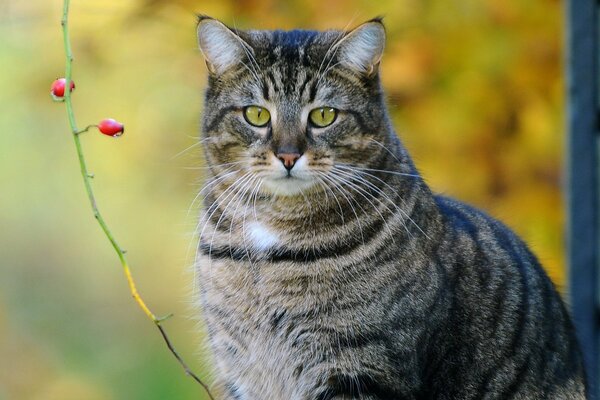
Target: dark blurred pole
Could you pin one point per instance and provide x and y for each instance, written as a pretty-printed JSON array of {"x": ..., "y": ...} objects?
[{"x": 582, "y": 171}]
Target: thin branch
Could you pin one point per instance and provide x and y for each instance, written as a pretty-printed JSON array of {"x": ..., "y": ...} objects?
[{"x": 88, "y": 188}]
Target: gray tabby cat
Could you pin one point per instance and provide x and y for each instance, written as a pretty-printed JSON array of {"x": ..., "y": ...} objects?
[{"x": 328, "y": 269}]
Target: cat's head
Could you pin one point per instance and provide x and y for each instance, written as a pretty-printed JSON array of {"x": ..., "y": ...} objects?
[{"x": 287, "y": 107}]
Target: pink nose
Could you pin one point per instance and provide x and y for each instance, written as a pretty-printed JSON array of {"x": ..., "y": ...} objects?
[{"x": 288, "y": 159}]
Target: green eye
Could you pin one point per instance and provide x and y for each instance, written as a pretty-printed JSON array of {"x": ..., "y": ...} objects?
[
  {"x": 257, "y": 116},
  {"x": 322, "y": 116}
]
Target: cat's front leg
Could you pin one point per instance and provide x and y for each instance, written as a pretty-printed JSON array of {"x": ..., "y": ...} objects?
[
  {"x": 360, "y": 386},
  {"x": 231, "y": 391},
  {"x": 355, "y": 397}
]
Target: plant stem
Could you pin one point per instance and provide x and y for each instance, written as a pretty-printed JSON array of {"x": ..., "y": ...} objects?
[{"x": 90, "y": 193}]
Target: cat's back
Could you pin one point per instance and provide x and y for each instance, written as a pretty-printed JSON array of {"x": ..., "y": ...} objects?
[{"x": 505, "y": 310}]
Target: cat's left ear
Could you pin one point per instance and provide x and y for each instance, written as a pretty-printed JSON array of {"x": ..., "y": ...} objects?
[
  {"x": 361, "y": 48},
  {"x": 222, "y": 48}
]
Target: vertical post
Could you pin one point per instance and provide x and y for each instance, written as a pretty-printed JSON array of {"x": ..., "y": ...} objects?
[{"x": 582, "y": 177}]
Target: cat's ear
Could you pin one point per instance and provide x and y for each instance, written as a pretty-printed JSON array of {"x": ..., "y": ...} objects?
[
  {"x": 222, "y": 48},
  {"x": 361, "y": 48}
]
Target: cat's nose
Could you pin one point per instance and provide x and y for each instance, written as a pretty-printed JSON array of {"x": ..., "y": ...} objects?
[{"x": 288, "y": 159}]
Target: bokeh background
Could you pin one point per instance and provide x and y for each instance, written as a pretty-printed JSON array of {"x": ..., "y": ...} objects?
[{"x": 475, "y": 88}]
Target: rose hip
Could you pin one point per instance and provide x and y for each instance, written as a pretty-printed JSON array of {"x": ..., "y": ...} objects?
[
  {"x": 111, "y": 127},
  {"x": 58, "y": 87}
]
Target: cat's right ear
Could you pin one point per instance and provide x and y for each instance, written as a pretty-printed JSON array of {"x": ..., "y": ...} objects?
[
  {"x": 361, "y": 49},
  {"x": 221, "y": 47}
]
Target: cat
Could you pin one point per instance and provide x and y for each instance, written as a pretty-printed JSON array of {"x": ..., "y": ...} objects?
[{"x": 327, "y": 268}]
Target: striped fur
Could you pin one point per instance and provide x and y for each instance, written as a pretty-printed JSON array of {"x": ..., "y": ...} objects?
[{"x": 349, "y": 279}]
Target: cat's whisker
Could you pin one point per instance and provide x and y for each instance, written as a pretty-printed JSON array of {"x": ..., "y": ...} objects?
[
  {"x": 254, "y": 74},
  {"x": 194, "y": 234},
  {"x": 386, "y": 149},
  {"x": 343, "y": 165},
  {"x": 363, "y": 173},
  {"x": 219, "y": 177},
  {"x": 329, "y": 68},
  {"x": 249, "y": 53},
  {"x": 325, "y": 191},
  {"x": 234, "y": 189},
  {"x": 207, "y": 220},
  {"x": 247, "y": 208},
  {"x": 394, "y": 191},
  {"x": 256, "y": 198},
  {"x": 217, "y": 202},
  {"x": 325, "y": 57},
  {"x": 239, "y": 186},
  {"x": 334, "y": 46},
  {"x": 196, "y": 198},
  {"x": 368, "y": 184},
  {"x": 367, "y": 196},
  {"x": 361, "y": 180},
  {"x": 214, "y": 166},
  {"x": 247, "y": 187},
  {"x": 253, "y": 194},
  {"x": 319, "y": 178},
  {"x": 388, "y": 199},
  {"x": 336, "y": 186},
  {"x": 206, "y": 187},
  {"x": 198, "y": 143}
]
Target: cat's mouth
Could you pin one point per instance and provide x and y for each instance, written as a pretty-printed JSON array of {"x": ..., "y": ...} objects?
[
  {"x": 289, "y": 176},
  {"x": 288, "y": 185},
  {"x": 289, "y": 179}
]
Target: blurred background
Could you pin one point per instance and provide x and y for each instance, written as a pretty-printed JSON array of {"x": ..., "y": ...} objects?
[{"x": 476, "y": 92}]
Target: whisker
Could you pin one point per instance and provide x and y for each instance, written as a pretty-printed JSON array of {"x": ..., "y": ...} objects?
[
  {"x": 207, "y": 218},
  {"x": 249, "y": 52},
  {"x": 367, "y": 196},
  {"x": 394, "y": 191},
  {"x": 253, "y": 193},
  {"x": 198, "y": 143},
  {"x": 386, "y": 149},
  {"x": 212, "y": 167},
  {"x": 207, "y": 186},
  {"x": 334, "y": 46},
  {"x": 322, "y": 181},
  {"x": 386, "y": 197},
  {"x": 343, "y": 165},
  {"x": 193, "y": 236},
  {"x": 239, "y": 182},
  {"x": 247, "y": 187},
  {"x": 216, "y": 204},
  {"x": 337, "y": 187}
]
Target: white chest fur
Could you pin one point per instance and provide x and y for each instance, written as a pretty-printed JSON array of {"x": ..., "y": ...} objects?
[{"x": 260, "y": 237}]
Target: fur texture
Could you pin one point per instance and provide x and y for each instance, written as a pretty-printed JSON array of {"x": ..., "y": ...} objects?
[{"x": 344, "y": 277}]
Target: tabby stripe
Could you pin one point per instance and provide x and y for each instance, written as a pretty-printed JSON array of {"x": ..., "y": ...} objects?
[
  {"x": 233, "y": 391},
  {"x": 303, "y": 85},
  {"x": 287, "y": 254},
  {"x": 273, "y": 82},
  {"x": 355, "y": 386},
  {"x": 515, "y": 346},
  {"x": 313, "y": 91},
  {"x": 220, "y": 316},
  {"x": 359, "y": 120},
  {"x": 265, "y": 90},
  {"x": 510, "y": 391},
  {"x": 216, "y": 120}
]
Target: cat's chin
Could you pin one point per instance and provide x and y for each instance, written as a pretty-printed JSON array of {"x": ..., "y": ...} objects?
[{"x": 288, "y": 186}]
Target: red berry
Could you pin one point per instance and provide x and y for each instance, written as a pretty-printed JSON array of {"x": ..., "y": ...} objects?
[
  {"x": 58, "y": 87},
  {"x": 111, "y": 127}
]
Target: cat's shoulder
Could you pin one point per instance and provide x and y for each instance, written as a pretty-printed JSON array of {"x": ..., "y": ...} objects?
[{"x": 467, "y": 219}]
